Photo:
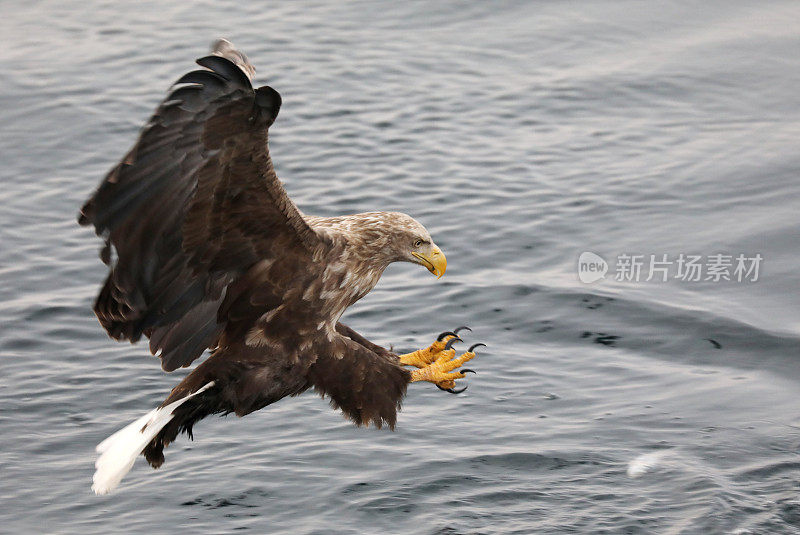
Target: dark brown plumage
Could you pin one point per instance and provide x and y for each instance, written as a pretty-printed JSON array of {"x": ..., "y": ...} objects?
[{"x": 207, "y": 251}]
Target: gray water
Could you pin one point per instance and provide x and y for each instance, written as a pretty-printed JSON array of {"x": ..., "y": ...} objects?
[{"x": 521, "y": 134}]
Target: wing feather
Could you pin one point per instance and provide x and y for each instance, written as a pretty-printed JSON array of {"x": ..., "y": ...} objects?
[{"x": 192, "y": 206}]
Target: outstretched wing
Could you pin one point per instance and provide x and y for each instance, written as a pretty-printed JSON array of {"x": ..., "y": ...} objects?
[{"x": 193, "y": 205}]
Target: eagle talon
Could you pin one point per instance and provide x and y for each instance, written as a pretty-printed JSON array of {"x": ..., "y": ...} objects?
[
  {"x": 473, "y": 346},
  {"x": 424, "y": 357},
  {"x": 451, "y": 390},
  {"x": 444, "y": 370},
  {"x": 449, "y": 345},
  {"x": 445, "y": 334},
  {"x": 462, "y": 328}
]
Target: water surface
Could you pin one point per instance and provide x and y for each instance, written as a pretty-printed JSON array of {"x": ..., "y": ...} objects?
[{"x": 521, "y": 134}]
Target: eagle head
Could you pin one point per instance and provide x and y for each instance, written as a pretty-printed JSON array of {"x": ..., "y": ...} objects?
[
  {"x": 377, "y": 239},
  {"x": 411, "y": 242}
]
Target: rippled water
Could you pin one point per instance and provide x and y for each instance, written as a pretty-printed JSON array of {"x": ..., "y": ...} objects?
[{"x": 521, "y": 134}]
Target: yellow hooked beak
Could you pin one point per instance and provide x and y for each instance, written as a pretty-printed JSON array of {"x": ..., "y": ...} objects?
[{"x": 436, "y": 262}]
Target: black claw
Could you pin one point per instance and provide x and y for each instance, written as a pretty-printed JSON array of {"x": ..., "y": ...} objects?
[
  {"x": 451, "y": 390},
  {"x": 474, "y": 346},
  {"x": 449, "y": 344},
  {"x": 468, "y": 371},
  {"x": 446, "y": 333},
  {"x": 462, "y": 328}
]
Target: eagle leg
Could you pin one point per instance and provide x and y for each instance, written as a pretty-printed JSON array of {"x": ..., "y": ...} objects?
[
  {"x": 424, "y": 357},
  {"x": 443, "y": 371}
]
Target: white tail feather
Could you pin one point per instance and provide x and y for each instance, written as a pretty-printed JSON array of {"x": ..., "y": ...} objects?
[{"x": 119, "y": 451}]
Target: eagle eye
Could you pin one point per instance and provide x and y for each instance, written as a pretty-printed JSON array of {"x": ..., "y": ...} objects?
[{"x": 418, "y": 243}]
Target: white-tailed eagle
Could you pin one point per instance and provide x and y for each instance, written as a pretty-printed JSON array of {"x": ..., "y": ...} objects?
[{"x": 206, "y": 251}]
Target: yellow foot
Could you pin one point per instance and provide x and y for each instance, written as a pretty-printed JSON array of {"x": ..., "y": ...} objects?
[
  {"x": 441, "y": 372},
  {"x": 423, "y": 357}
]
